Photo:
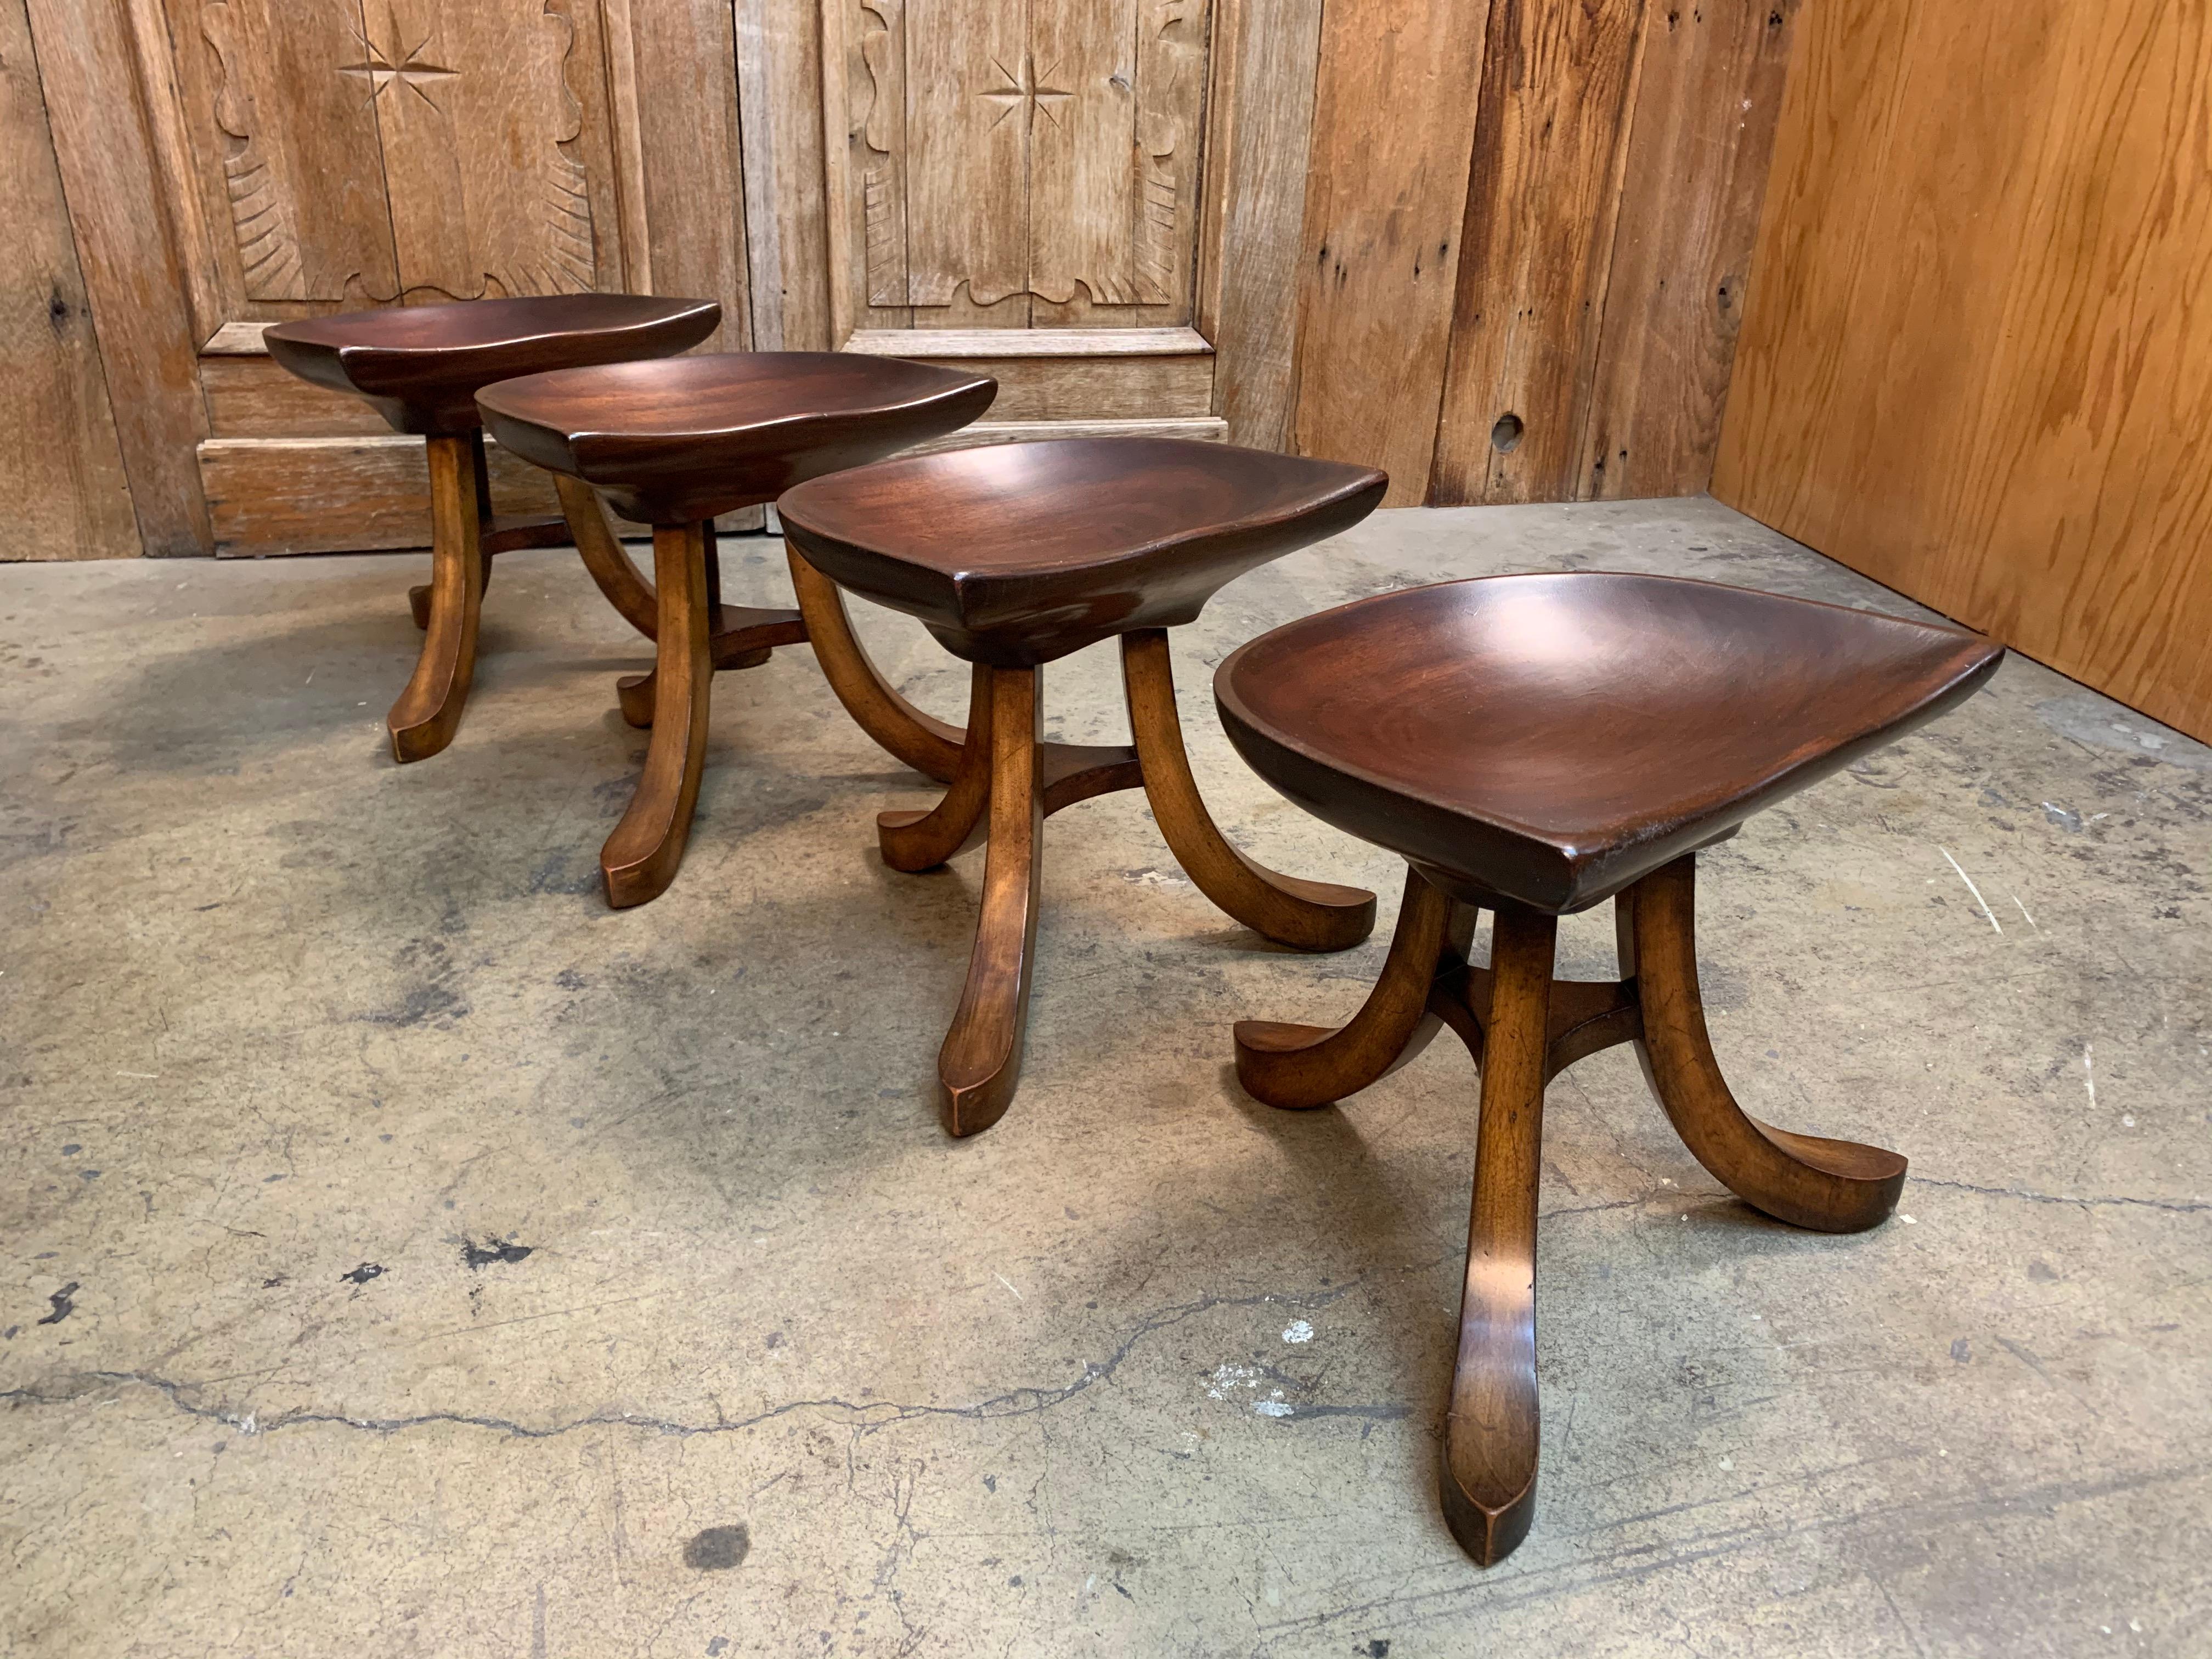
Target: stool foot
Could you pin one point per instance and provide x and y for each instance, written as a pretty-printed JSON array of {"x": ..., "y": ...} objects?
[
  {"x": 1829, "y": 1186},
  {"x": 1308, "y": 915},
  {"x": 1300, "y": 1067},
  {"x": 926, "y": 743},
  {"x": 428, "y": 711},
  {"x": 914, "y": 842},
  {"x": 642, "y": 857},
  {"x": 981, "y": 1062},
  {"x": 1489, "y": 1475}
]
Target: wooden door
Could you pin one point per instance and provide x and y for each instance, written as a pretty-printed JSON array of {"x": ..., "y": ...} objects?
[
  {"x": 325, "y": 154},
  {"x": 1035, "y": 188}
]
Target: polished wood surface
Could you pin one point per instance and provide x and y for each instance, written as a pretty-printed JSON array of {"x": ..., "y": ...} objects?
[
  {"x": 981, "y": 1061},
  {"x": 1552, "y": 737},
  {"x": 671, "y": 441},
  {"x": 1020, "y": 553},
  {"x": 420, "y": 367},
  {"x": 922, "y": 741},
  {"x": 1524, "y": 1026},
  {"x": 1981, "y": 372},
  {"x": 428, "y": 711},
  {"x": 1308, "y": 915},
  {"x": 640, "y": 858}
]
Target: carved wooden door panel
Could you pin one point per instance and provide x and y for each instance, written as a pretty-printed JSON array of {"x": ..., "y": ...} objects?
[
  {"x": 335, "y": 154},
  {"x": 1015, "y": 184}
]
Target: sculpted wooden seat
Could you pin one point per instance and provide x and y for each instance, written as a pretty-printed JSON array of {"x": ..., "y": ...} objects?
[
  {"x": 420, "y": 367},
  {"x": 1534, "y": 746},
  {"x": 674, "y": 445},
  {"x": 1014, "y": 555}
]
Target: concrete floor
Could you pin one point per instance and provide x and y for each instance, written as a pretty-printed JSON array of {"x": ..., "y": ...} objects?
[{"x": 406, "y": 1256}]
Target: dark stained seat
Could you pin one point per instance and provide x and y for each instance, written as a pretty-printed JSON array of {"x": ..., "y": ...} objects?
[
  {"x": 1552, "y": 738},
  {"x": 674, "y": 442},
  {"x": 1533, "y": 744},
  {"x": 1017, "y": 554},
  {"x": 422, "y": 366}
]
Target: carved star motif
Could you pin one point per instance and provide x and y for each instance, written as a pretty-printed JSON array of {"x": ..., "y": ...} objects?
[
  {"x": 1026, "y": 92},
  {"x": 410, "y": 71}
]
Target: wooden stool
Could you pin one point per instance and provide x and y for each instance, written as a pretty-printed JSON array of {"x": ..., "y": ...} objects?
[
  {"x": 420, "y": 367},
  {"x": 674, "y": 443},
  {"x": 1533, "y": 745},
  {"x": 1017, "y": 555}
]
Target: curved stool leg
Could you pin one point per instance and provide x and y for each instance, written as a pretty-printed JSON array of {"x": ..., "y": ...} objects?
[
  {"x": 1831, "y": 1186},
  {"x": 1309, "y": 915},
  {"x": 982, "y": 1060},
  {"x": 914, "y": 842},
  {"x": 602, "y": 552},
  {"x": 1298, "y": 1067},
  {"x": 927, "y": 744},
  {"x": 1489, "y": 1473},
  {"x": 418, "y": 598},
  {"x": 640, "y": 858},
  {"x": 428, "y": 711}
]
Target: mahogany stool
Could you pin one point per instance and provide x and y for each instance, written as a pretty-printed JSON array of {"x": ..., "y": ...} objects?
[
  {"x": 674, "y": 443},
  {"x": 1533, "y": 745},
  {"x": 1017, "y": 555},
  {"x": 420, "y": 368}
]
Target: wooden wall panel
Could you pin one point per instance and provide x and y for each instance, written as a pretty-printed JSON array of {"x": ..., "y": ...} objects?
[
  {"x": 140, "y": 307},
  {"x": 1983, "y": 373},
  {"x": 1393, "y": 127},
  {"x": 1558, "y": 83},
  {"x": 61, "y": 468},
  {"x": 1254, "y": 203},
  {"x": 1707, "y": 99},
  {"x": 690, "y": 156}
]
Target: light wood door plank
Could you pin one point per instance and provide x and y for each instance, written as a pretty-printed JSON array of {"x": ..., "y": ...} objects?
[
  {"x": 1393, "y": 129},
  {"x": 1537, "y": 250},
  {"x": 1708, "y": 97},
  {"x": 61, "y": 467},
  {"x": 140, "y": 312}
]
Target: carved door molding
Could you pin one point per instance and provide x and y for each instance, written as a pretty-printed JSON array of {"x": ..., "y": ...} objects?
[{"x": 1017, "y": 165}]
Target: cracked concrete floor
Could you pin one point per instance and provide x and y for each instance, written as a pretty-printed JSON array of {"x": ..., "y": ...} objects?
[{"x": 406, "y": 1256}]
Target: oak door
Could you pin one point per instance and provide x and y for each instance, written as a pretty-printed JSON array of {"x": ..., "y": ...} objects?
[
  {"x": 327, "y": 154},
  {"x": 1036, "y": 188}
]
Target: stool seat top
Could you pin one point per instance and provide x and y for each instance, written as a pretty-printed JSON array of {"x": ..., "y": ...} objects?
[
  {"x": 421, "y": 366},
  {"x": 673, "y": 442},
  {"x": 1550, "y": 739},
  {"x": 1015, "y": 554}
]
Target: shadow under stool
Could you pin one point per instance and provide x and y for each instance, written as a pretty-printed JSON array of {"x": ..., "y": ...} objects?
[
  {"x": 1015, "y": 555},
  {"x": 674, "y": 444},
  {"x": 420, "y": 367},
  {"x": 1533, "y": 745}
]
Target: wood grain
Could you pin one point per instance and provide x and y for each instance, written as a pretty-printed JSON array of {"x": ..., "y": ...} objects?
[
  {"x": 1708, "y": 96},
  {"x": 1049, "y": 375},
  {"x": 271, "y": 495},
  {"x": 61, "y": 468},
  {"x": 1394, "y": 124},
  {"x": 688, "y": 137},
  {"x": 131, "y": 271},
  {"x": 2016, "y": 426},
  {"x": 1536, "y": 251},
  {"x": 1266, "y": 55}
]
